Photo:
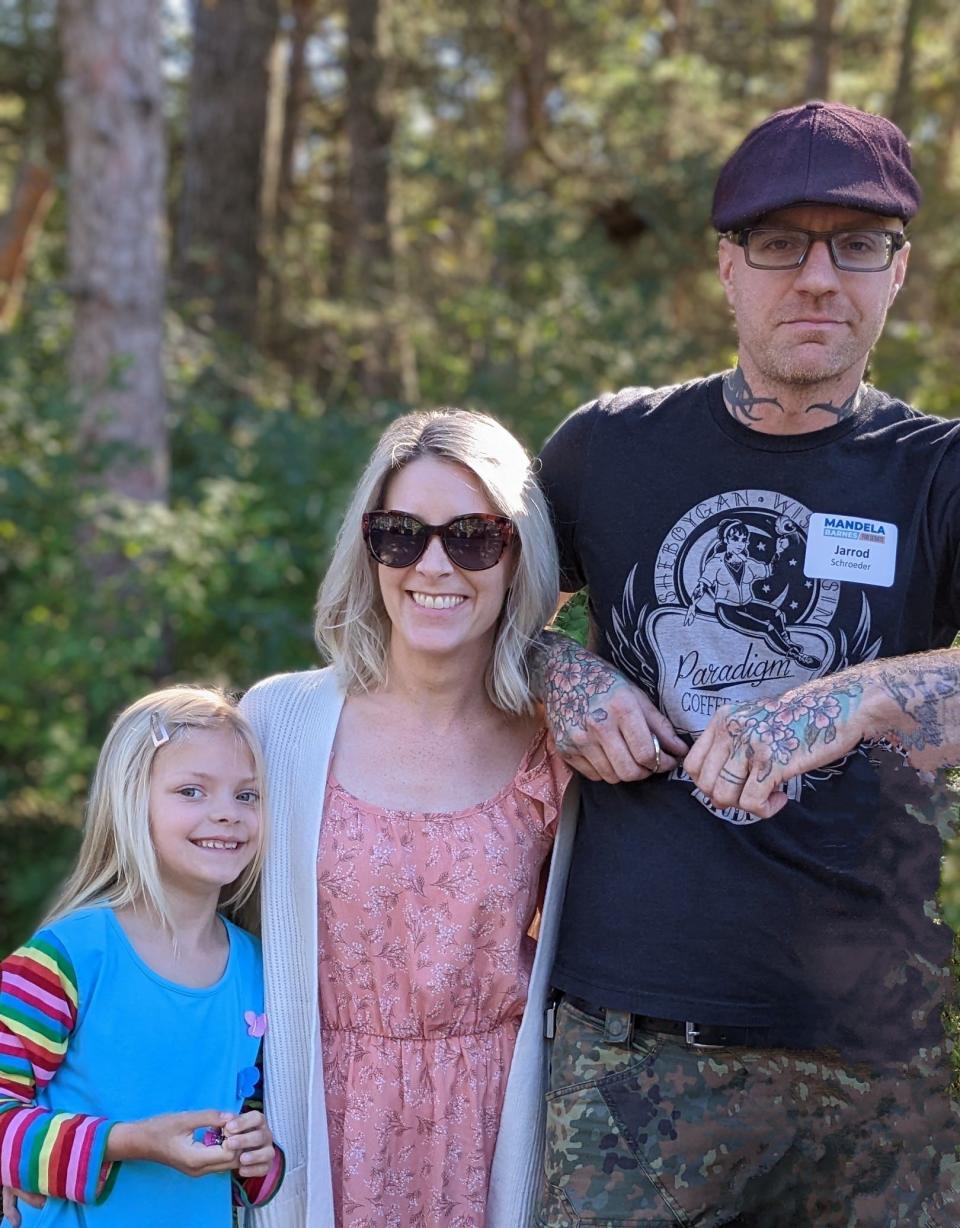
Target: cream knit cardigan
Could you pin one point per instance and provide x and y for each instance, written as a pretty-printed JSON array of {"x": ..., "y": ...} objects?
[{"x": 296, "y": 716}]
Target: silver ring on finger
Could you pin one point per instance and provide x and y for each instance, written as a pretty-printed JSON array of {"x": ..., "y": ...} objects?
[{"x": 656, "y": 753}]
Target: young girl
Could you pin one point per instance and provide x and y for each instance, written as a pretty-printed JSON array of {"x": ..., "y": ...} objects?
[{"x": 131, "y": 1024}]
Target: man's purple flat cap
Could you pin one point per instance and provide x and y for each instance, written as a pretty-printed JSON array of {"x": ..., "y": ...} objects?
[{"x": 822, "y": 153}]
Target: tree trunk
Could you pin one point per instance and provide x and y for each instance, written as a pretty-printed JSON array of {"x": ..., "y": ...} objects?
[
  {"x": 820, "y": 67},
  {"x": 112, "y": 90},
  {"x": 218, "y": 254},
  {"x": 901, "y": 105},
  {"x": 528, "y": 25},
  {"x": 290, "y": 84},
  {"x": 676, "y": 34},
  {"x": 304, "y": 15},
  {"x": 30, "y": 201},
  {"x": 945, "y": 147},
  {"x": 370, "y": 133},
  {"x": 338, "y": 210}
]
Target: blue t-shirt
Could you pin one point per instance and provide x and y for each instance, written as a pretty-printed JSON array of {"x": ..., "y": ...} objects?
[{"x": 141, "y": 1046}]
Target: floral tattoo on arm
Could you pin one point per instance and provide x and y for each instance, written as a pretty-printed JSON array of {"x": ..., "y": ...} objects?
[
  {"x": 571, "y": 683},
  {"x": 924, "y": 688},
  {"x": 778, "y": 730}
]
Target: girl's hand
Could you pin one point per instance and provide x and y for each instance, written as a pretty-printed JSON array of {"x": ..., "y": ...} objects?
[
  {"x": 248, "y": 1138},
  {"x": 10, "y": 1196},
  {"x": 10, "y": 1212},
  {"x": 168, "y": 1139}
]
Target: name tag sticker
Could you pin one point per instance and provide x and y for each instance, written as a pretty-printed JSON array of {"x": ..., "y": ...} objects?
[{"x": 851, "y": 548}]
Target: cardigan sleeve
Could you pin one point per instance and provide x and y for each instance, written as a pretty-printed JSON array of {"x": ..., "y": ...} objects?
[
  {"x": 257, "y": 1191},
  {"x": 44, "y": 1151}
]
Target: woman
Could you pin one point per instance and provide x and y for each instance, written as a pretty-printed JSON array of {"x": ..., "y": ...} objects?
[{"x": 405, "y": 913}]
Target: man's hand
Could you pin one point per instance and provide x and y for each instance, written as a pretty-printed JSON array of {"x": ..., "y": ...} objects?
[
  {"x": 604, "y": 726},
  {"x": 747, "y": 752},
  {"x": 249, "y": 1139}
]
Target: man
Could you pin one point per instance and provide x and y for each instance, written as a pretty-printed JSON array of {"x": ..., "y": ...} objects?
[{"x": 749, "y": 1024}]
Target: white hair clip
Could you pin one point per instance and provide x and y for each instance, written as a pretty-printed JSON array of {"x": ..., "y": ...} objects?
[{"x": 158, "y": 730}]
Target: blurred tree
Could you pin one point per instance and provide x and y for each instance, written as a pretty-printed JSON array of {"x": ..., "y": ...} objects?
[
  {"x": 901, "y": 104},
  {"x": 303, "y": 19},
  {"x": 371, "y": 273},
  {"x": 113, "y": 94},
  {"x": 820, "y": 67},
  {"x": 31, "y": 199},
  {"x": 31, "y": 127},
  {"x": 535, "y": 175},
  {"x": 30, "y": 70},
  {"x": 527, "y": 23},
  {"x": 217, "y": 257}
]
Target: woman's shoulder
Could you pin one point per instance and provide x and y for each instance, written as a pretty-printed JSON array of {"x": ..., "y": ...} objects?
[
  {"x": 280, "y": 687},
  {"x": 284, "y": 695}
]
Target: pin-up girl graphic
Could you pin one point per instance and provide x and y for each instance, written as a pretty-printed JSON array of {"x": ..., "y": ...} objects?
[{"x": 728, "y": 573}]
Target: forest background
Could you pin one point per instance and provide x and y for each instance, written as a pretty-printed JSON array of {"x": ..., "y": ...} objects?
[{"x": 240, "y": 235}]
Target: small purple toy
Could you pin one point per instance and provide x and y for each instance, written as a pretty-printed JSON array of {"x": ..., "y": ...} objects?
[{"x": 209, "y": 1136}]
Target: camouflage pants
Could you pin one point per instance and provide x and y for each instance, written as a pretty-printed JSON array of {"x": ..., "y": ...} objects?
[{"x": 650, "y": 1131}]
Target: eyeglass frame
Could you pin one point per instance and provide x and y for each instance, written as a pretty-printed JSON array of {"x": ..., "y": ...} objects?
[
  {"x": 508, "y": 533},
  {"x": 895, "y": 242}
]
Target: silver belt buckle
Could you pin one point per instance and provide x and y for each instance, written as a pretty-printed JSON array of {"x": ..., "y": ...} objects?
[{"x": 691, "y": 1032}]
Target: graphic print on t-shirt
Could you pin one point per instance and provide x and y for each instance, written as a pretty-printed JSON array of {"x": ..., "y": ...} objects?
[{"x": 735, "y": 618}]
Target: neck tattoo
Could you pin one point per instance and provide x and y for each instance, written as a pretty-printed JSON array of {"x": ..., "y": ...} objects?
[
  {"x": 746, "y": 406},
  {"x": 845, "y": 410},
  {"x": 741, "y": 400}
]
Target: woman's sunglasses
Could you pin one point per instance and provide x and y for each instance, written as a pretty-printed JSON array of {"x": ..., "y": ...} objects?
[{"x": 473, "y": 542}]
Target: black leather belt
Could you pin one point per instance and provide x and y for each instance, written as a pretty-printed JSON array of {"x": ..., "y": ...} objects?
[{"x": 699, "y": 1035}]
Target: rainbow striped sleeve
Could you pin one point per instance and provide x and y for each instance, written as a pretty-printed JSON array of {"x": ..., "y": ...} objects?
[
  {"x": 257, "y": 1191},
  {"x": 43, "y": 1151}
]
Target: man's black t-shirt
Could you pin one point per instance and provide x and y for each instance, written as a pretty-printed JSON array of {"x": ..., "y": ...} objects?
[{"x": 725, "y": 565}]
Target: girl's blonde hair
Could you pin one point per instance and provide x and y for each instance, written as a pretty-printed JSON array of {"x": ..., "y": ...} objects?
[
  {"x": 117, "y": 864},
  {"x": 351, "y": 620}
]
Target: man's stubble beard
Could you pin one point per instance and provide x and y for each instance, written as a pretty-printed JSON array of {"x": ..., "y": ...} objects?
[{"x": 790, "y": 372}]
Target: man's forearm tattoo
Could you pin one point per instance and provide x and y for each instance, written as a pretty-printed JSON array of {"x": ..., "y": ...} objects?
[
  {"x": 569, "y": 680},
  {"x": 740, "y": 398},
  {"x": 787, "y": 727},
  {"x": 929, "y": 694},
  {"x": 925, "y": 690},
  {"x": 848, "y": 407}
]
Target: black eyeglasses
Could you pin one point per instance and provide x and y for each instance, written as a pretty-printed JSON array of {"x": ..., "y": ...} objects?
[
  {"x": 854, "y": 251},
  {"x": 473, "y": 542}
]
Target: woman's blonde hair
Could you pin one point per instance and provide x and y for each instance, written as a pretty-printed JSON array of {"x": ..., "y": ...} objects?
[
  {"x": 117, "y": 864},
  {"x": 352, "y": 623}
]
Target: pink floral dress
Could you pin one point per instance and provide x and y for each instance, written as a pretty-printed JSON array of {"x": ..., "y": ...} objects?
[{"x": 424, "y": 965}]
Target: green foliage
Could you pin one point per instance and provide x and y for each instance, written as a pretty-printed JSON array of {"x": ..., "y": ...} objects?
[
  {"x": 37, "y": 853},
  {"x": 219, "y": 586},
  {"x": 574, "y": 619},
  {"x": 522, "y": 287}
]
